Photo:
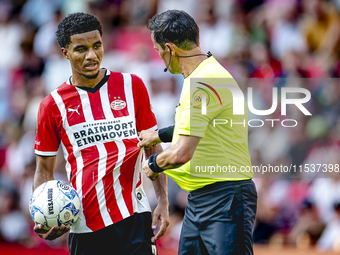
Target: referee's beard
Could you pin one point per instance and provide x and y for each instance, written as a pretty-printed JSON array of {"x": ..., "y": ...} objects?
[{"x": 90, "y": 77}]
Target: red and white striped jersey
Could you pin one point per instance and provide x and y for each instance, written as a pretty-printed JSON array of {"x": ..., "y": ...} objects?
[{"x": 98, "y": 133}]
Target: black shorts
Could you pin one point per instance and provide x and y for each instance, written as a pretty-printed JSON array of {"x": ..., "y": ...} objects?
[
  {"x": 219, "y": 219},
  {"x": 129, "y": 236}
]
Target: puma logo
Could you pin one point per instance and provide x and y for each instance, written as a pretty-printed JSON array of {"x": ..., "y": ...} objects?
[{"x": 74, "y": 110}]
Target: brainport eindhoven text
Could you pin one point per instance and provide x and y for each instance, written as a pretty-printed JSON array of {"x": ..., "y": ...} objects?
[{"x": 104, "y": 131}]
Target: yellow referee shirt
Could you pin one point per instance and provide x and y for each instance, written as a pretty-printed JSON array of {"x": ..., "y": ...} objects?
[{"x": 222, "y": 153}]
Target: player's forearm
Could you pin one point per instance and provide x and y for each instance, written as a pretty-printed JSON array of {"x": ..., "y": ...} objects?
[
  {"x": 161, "y": 184},
  {"x": 44, "y": 170},
  {"x": 161, "y": 189}
]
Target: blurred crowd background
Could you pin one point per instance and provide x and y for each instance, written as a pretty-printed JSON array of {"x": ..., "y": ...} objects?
[{"x": 291, "y": 43}]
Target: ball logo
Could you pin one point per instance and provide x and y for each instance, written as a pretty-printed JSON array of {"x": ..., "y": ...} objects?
[
  {"x": 63, "y": 186},
  {"x": 67, "y": 216},
  {"x": 118, "y": 104},
  {"x": 50, "y": 201}
]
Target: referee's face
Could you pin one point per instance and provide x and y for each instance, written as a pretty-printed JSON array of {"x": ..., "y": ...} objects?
[
  {"x": 85, "y": 53},
  {"x": 170, "y": 63}
]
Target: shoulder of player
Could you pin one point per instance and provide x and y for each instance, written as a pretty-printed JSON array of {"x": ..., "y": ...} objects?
[
  {"x": 137, "y": 84},
  {"x": 48, "y": 107},
  {"x": 135, "y": 79},
  {"x": 49, "y": 102}
]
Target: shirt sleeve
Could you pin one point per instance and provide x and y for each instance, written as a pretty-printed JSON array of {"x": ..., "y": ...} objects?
[
  {"x": 145, "y": 118},
  {"x": 48, "y": 135}
]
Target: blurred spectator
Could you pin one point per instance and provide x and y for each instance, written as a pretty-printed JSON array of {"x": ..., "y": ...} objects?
[
  {"x": 14, "y": 226},
  {"x": 331, "y": 236},
  {"x": 285, "y": 35},
  {"x": 321, "y": 27},
  {"x": 325, "y": 192},
  {"x": 40, "y": 12},
  {"x": 45, "y": 39},
  {"x": 216, "y": 35},
  {"x": 11, "y": 33},
  {"x": 308, "y": 227}
]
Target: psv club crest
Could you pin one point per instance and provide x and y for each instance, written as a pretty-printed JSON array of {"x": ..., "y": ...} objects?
[{"x": 118, "y": 104}]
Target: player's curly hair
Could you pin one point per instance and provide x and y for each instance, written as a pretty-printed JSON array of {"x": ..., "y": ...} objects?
[
  {"x": 175, "y": 26},
  {"x": 76, "y": 23}
]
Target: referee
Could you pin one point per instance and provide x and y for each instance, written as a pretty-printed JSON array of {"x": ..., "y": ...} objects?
[{"x": 220, "y": 214}]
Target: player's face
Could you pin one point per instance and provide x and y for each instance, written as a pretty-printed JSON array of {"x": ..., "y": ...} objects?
[{"x": 85, "y": 53}]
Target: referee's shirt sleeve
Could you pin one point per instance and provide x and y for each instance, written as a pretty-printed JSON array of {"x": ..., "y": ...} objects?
[
  {"x": 145, "y": 118},
  {"x": 192, "y": 122},
  {"x": 48, "y": 135}
]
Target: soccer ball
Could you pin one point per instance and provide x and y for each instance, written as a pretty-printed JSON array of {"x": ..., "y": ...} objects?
[{"x": 54, "y": 203}]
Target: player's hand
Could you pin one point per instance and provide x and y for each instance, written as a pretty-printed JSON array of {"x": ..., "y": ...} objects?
[
  {"x": 51, "y": 234},
  {"x": 148, "y": 138},
  {"x": 161, "y": 213},
  {"x": 149, "y": 173}
]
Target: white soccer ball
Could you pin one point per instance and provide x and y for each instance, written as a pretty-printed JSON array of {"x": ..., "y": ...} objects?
[{"x": 54, "y": 203}]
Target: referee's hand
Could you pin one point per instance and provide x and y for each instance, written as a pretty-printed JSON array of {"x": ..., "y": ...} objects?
[
  {"x": 149, "y": 173},
  {"x": 51, "y": 234},
  {"x": 148, "y": 138}
]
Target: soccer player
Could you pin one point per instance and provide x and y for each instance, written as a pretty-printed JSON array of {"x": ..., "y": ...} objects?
[
  {"x": 220, "y": 214},
  {"x": 95, "y": 116}
]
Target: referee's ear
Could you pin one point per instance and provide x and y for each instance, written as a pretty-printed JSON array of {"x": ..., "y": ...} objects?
[
  {"x": 65, "y": 52},
  {"x": 171, "y": 48}
]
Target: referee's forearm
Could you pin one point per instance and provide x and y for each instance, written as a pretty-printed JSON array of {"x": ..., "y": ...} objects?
[
  {"x": 176, "y": 155},
  {"x": 170, "y": 158}
]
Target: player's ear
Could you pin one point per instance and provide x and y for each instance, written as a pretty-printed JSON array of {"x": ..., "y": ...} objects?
[{"x": 65, "y": 53}]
